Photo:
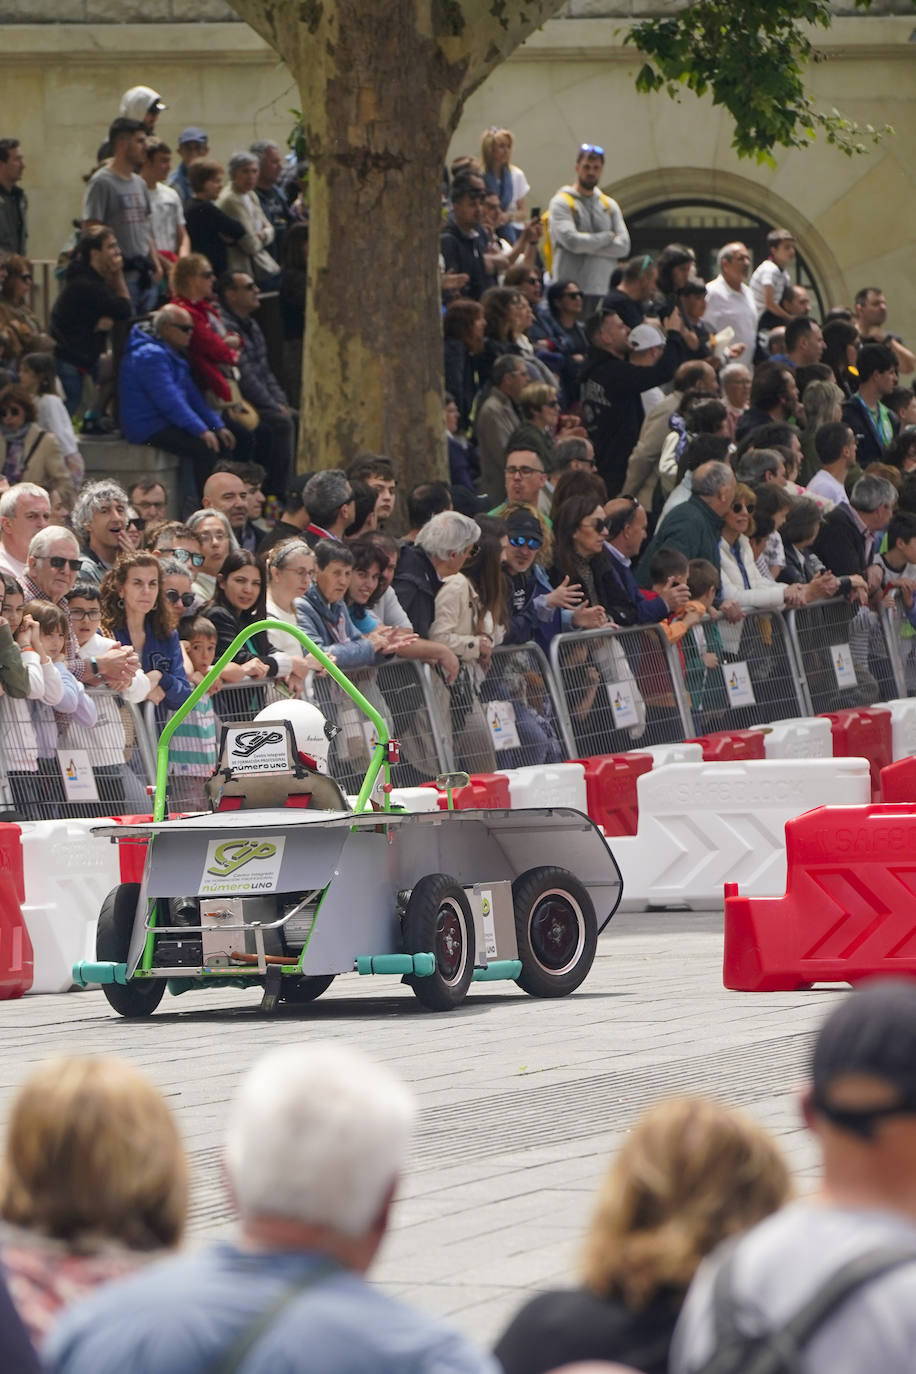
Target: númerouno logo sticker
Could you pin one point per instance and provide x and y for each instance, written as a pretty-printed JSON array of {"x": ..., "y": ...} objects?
[{"x": 243, "y": 864}]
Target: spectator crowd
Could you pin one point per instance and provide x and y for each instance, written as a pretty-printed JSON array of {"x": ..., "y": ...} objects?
[{"x": 628, "y": 444}]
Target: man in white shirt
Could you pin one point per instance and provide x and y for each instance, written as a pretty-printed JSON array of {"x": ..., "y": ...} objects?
[
  {"x": 24, "y": 510},
  {"x": 836, "y": 449},
  {"x": 169, "y": 233},
  {"x": 729, "y": 300}
]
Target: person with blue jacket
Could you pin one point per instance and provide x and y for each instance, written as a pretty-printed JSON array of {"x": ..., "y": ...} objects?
[
  {"x": 135, "y": 611},
  {"x": 159, "y": 402},
  {"x": 322, "y": 613}
]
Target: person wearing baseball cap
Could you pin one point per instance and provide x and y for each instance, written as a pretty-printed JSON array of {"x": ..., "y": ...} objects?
[
  {"x": 537, "y": 610},
  {"x": 144, "y": 104},
  {"x": 857, "y": 1234},
  {"x": 647, "y": 344},
  {"x": 192, "y": 143}
]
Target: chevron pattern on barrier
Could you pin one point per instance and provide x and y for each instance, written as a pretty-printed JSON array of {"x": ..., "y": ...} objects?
[{"x": 849, "y": 909}]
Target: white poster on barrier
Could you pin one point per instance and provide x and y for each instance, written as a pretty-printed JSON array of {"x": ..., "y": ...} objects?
[
  {"x": 623, "y": 703},
  {"x": 501, "y": 720},
  {"x": 76, "y": 771},
  {"x": 844, "y": 669},
  {"x": 738, "y": 685}
]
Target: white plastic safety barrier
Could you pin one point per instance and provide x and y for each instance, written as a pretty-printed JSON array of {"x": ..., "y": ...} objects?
[
  {"x": 67, "y": 875},
  {"x": 807, "y": 737},
  {"x": 411, "y": 798},
  {"x": 673, "y": 753},
  {"x": 703, "y": 825},
  {"x": 903, "y": 726},
  {"x": 555, "y": 784}
]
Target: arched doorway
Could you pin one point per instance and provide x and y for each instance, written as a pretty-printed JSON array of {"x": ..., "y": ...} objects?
[
  {"x": 706, "y": 207},
  {"x": 705, "y": 226}
]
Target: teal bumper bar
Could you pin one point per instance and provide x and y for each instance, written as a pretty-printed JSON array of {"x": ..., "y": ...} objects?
[
  {"x": 86, "y": 972},
  {"x": 421, "y": 965},
  {"x": 497, "y": 969}
]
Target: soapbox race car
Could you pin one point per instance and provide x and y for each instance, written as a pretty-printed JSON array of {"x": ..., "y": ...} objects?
[{"x": 284, "y": 885}]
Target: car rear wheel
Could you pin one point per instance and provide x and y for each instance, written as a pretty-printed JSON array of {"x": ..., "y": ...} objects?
[
  {"x": 556, "y": 930},
  {"x": 139, "y": 997},
  {"x": 438, "y": 920}
]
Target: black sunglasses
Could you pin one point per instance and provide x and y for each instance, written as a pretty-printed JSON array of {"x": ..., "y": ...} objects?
[
  {"x": 186, "y": 598},
  {"x": 600, "y": 526},
  {"x": 74, "y": 564},
  {"x": 525, "y": 541},
  {"x": 136, "y": 522}
]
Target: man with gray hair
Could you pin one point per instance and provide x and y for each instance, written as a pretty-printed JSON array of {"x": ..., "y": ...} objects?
[
  {"x": 53, "y": 562},
  {"x": 441, "y": 547},
  {"x": 328, "y": 498},
  {"x": 850, "y": 534},
  {"x": 161, "y": 405},
  {"x": 239, "y": 201},
  {"x": 694, "y": 527},
  {"x": 736, "y": 393},
  {"x": 99, "y": 521},
  {"x": 316, "y": 1141},
  {"x": 496, "y": 420},
  {"x": 759, "y": 465},
  {"x": 24, "y": 510},
  {"x": 271, "y": 198},
  {"x": 730, "y": 301}
]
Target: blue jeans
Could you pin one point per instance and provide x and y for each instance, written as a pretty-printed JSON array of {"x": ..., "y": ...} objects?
[{"x": 71, "y": 379}]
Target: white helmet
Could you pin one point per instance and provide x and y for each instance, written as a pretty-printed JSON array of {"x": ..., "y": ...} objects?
[{"x": 312, "y": 732}]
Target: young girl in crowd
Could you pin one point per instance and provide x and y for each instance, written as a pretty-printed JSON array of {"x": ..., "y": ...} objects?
[
  {"x": 366, "y": 589},
  {"x": 193, "y": 747},
  {"x": 290, "y": 567},
  {"x": 50, "y": 642}
]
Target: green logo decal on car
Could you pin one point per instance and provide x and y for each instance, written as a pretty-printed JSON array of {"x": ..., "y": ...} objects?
[{"x": 234, "y": 853}]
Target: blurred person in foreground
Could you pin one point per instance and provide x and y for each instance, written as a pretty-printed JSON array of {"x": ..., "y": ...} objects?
[
  {"x": 94, "y": 1183},
  {"x": 690, "y": 1174},
  {"x": 316, "y": 1142},
  {"x": 860, "y": 1105}
]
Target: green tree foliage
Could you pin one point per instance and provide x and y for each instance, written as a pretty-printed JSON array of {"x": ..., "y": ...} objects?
[{"x": 751, "y": 56}]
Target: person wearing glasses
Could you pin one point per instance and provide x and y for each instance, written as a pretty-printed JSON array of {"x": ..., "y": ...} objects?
[
  {"x": 100, "y": 522},
  {"x": 172, "y": 539},
  {"x": 161, "y": 406},
  {"x": 20, "y": 328},
  {"x": 558, "y": 335},
  {"x": 150, "y": 499},
  {"x": 537, "y": 609},
  {"x": 53, "y": 563},
  {"x": 177, "y": 590},
  {"x": 587, "y": 229},
  {"x": 28, "y": 453},
  {"x": 214, "y": 349}
]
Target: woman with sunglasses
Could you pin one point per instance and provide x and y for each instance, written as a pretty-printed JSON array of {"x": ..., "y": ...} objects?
[
  {"x": 214, "y": 533},
  {"x": 135, "y": 611},
  {"x": 28, "y": 453},
  {"x": 19, "y": 326},
  {"x": 176, "y": 587},
  {"x": 212, "y": 350},
  {"x": 742, "y": 580},
  {"x": 559, "y": 337}
]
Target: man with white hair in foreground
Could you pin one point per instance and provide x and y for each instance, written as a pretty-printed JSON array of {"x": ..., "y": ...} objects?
[{"x": 316, "y": 1140}]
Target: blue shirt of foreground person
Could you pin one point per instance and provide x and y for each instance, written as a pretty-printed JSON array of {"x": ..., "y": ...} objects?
[{"x": 317, "y": 1137}]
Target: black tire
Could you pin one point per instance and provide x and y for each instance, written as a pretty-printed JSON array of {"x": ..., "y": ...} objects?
[
  {"x": 298, "y": 991},
  {"x": 140, "y": 997},
  {"x": 438, "y": 920},
  {"x": 556, "y": 929}
]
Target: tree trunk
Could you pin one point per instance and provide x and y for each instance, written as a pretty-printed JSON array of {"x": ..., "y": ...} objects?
[{"x": 383, "y": 83}]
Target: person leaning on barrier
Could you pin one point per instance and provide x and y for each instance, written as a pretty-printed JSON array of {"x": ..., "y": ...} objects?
[
  {"x": 742, "y": 580},
  {"x": 694, "y": 528},
  {"x": 538, "y": 610},
  {"x": 847, "y": 538},
  {"x": 322, "y": 613},
  {"x": 316, "y": 1141},
  {"x": 439, "y": 551},
  {"x": 620, "y": 594},
  {"x": 899, "y": 561}
]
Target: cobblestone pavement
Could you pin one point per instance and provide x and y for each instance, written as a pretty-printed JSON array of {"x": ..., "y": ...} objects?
[{"x": 522, "y": 1101}]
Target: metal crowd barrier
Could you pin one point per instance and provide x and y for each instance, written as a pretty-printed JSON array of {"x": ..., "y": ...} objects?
[
  {"x": 844, "y": 656},
  {"x": 759, "y": 673}
]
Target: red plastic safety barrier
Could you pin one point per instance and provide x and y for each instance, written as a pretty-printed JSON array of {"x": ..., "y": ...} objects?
[
  {"x": 17, "y": 964},
  {"x": 725, "y": 745},
  {"x": 864, "y": 732},
  {"x": 849, "y": 910},
  {"x": 898, "y": 781},
  {"x": 610, "y": 789},
  {"x": 484, "y": 791}
]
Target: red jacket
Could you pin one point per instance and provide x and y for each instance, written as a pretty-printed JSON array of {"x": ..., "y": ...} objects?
[{"x": 208, "y": 350}]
